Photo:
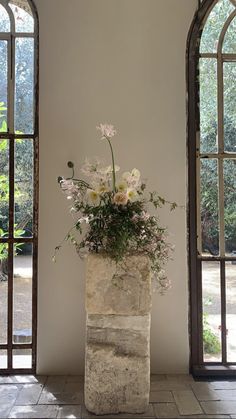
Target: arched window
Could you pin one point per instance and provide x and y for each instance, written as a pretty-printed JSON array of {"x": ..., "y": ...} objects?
[
  {"x": 212, "y": 187},
  {"x": 18, "y": 185}
]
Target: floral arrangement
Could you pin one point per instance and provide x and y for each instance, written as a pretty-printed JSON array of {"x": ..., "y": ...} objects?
[{"x": 111, "y": 215}]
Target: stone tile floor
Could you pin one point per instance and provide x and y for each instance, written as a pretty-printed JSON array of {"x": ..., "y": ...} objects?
[{"x": 172, "y": 396}]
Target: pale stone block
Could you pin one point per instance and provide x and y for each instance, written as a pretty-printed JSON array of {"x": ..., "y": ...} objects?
[
  {"x": 219, "y": 407},
  {"x": 123, "y": 289},
  {"x": 29, "y": 394},
  {"x": 115, "y": 382},
  {"x": 187, "y": 403},
  {"x": 129, "y": 335},
  {"x": 117, "y": 367},
  {"x": 33, "y": 412},
  {"x": 166, "y": 410}
]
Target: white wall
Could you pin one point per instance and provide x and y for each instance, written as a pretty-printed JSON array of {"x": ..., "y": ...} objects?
[{"x": 120, "y": 61}]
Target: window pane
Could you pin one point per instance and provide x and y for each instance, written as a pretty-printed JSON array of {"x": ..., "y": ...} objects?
[
  {"x": 22, "y": 358},
  {"x": 24, "y": 91},
  {"x": 4, "y": 20},
  {"x": 214, "y": 25},
  {"x": 231, "y": 310},
  {"x": 229, "y": 45},
  {"x": 24, "y": 22},
  {"x": 22, "y": 294},
  {"x": 209, "y": 206},
  {"x": 208, "y": 105},
  {"x": 3, "y": 86},
  {"x": 24, "y": 154},
  {"x": 4, "y": 187},
  {"x": 230, "y": 205},
  {"x": 3, "y": 359},
  {"x": 211, "y": 302},
  {"x": 230, "y": 106},
  {"x": 3, "y": 292}
]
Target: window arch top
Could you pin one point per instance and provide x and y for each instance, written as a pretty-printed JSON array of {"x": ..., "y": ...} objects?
[
  {"x": 214, "y": 25},
  {"x": 4, "y": 20},
  {"x": 16, "y": 15},
  {"x": 229, "y": 44}
]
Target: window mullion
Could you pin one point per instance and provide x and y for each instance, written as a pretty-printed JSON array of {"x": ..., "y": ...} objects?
[
  {"x": 220, "y": 83},
  {"x": 198, "y": 191}
]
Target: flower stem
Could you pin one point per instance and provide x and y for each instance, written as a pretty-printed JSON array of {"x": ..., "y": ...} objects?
[{"x": 113, "y": 166}]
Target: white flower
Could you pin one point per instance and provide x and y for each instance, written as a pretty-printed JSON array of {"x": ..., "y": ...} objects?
[
  {"x": 107, "y": 130},
  {"x": 108, "y": 170},
  {"x": 90, "y": 168},
  {"x": 122, "y": 186},
  {"x": 93, "y": 197},
  {"x": 103, "y": 187},
  {"x": 132, "y": 178},
  {"x": 132, "y": 194},
  {"x": 69, "y": 188}
]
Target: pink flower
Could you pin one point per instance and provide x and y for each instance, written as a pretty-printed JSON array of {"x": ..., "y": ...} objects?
[
  {"x": 120, "y": 198},
  {"x": 108, "y": 131}
]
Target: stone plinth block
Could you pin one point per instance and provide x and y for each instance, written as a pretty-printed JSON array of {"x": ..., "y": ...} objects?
[
  {"x": 118, "y": 289},
  {"x": 117, "y": 366}
]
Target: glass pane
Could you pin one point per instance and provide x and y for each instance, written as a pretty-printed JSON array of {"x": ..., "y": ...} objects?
[
  {"x": 209, "y": 206},
  {"x": 229, "y": 45},
  {"x": 24, "y": 22},
  {"x": 24, "y": 90},
  {"x": 3, "y": 86},
  {"x": 231, "y": 310},
  {"x": 3, "y": 359},
  {"x": 24, "y": 154},
  {"x": 22, "y": 358},
  {"x": 214, "y": 25},
  {"x": 211, "y": 302},
  {"x": 230, "y": 205},
  {"x": 4, "y": 187},
  {"x": 208, "y": 105},
  {"x": 3, "y": 291},
  {"x": 4, "y": 20},
  {"x": 22, "y": 294},
  {"x": 230, "y": 106}
]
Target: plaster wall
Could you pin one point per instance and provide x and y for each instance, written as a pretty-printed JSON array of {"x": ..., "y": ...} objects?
[{"x": 118, "y": 61}]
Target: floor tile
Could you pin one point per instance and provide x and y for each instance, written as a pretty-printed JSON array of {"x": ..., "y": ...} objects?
[
  {"x": 29, "y": 394},
  {"x": 23, "y": 379},
  {"x": 56, "y": 387},
  {"x": 158, "y": 377},
  {"x": 206, "y": 417},
  {"x": 56, "y": 379},
  {"x": 73, "y": 387},
  {"x": 204, "y": 391},
  {"x": 9, "y": 393},
  {"x": 226, "y": 394},
  {"x": 223, "y": 385},
  {"x": 169, "y": 385},
  {"x": 166, "y": 410},
  {"x": 219, "y": 407},
  {"x": 48, "y": 397},
  {"x": 73, "y": 411},
  {"x": 74, "y": 378},
  {"x": 31, "y": 412},
  {"x": 180, "y": 377},
  {"x": 187, "y": 403},
  {"x": 5, "y": 410},
  {"x": 161, "y": 396}
]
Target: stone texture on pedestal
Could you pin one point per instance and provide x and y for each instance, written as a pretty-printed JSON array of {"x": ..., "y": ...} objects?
[
  {"x": 117, "y": 367},
  {"x": 118, "y": 289}
]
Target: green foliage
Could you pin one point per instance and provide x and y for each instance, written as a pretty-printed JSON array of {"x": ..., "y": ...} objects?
[{"x": 211, "y": 342}]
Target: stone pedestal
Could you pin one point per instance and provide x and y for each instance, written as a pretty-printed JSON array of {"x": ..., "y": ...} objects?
[{"x": 117, "y": 365}]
